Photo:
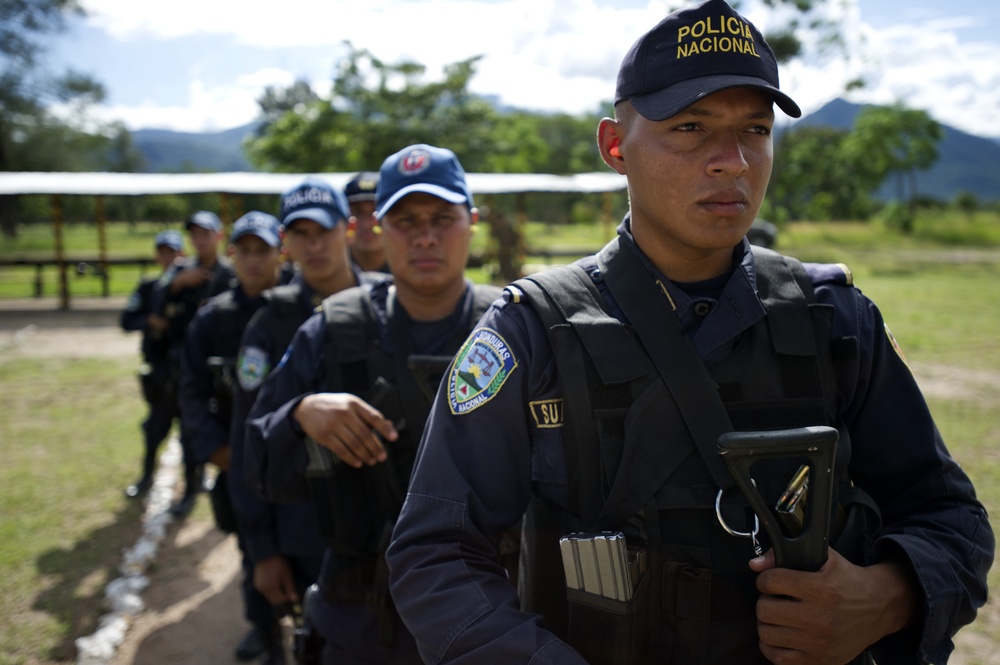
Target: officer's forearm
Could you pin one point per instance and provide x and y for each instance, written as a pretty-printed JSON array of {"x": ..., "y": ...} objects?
[{"x": 895, "y": 591}]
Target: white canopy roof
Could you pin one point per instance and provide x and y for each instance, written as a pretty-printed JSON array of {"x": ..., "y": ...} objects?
[{"x": 133, "y": 184}]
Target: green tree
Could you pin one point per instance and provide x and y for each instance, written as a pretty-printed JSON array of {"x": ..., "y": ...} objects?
[
  {"x": 896, "y": 140},
  {"x": 31, "y": 138},
  {"x": 815, "y": 177},
  {"x": 375, "y": 109}
]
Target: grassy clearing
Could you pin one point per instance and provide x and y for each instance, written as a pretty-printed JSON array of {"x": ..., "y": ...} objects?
[
  {"x": 68, "y": 438},
  {"x": 69, "y": 433}
]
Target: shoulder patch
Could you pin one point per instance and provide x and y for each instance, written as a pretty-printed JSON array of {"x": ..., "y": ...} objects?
[
  {"x": 251, "y": 368},
  {"x": 548, "y": 413},
  {"x": 895, "y": 345},
  {"x": 479, "y": 370}
]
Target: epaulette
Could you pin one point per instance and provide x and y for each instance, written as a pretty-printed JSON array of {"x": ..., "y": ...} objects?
[
  {"x": 827, "y": 274},
  {"x": 514, "y": 294}
]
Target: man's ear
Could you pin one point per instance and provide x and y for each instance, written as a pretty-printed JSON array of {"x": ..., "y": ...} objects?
[{"x": 609, "y": 139}]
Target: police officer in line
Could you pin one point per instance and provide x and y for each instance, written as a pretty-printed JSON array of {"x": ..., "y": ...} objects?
[
  {"x": 158, "y": 385},
  {"x": 367, "y": 252},
  {"x": 206, "y": 392},
  {"x": 339, "y": 420},
  {"x": 282, "y": 539},
  {"x": 595, "y": 396},
  {"x": 176, "y": 298}
]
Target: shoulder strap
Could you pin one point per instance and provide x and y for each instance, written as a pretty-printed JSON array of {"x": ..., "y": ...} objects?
[
  {"x": 568, "y": 304},
  {"x": 673, "y": 354}
]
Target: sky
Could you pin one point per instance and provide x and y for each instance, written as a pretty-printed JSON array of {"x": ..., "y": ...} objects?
[{"x": 200, "y": 65}]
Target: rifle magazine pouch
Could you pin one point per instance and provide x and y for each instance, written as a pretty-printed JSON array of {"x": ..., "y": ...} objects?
[{"x": 601, "y": 628}]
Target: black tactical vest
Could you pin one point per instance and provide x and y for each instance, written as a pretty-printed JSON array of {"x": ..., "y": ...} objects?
[
  {"x": 229, "y": 318},
  {"x": 634, "y": 465},
  {"x": 358, "y": 507}
]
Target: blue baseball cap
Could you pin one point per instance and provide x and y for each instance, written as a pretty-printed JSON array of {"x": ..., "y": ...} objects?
[
  {"x": 316, "y": 200},
  {"x": 260, "y": 224},
  {"x": 361, "y": 187},
  {"x": 171, "y": 239},
  {"x": 204, "y": 219},
  {"x": 421, "y": 168},
  {"x": 693, "y": 53}
]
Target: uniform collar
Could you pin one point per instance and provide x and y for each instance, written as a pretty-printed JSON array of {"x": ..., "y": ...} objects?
[{"x": 737, "y": 309}]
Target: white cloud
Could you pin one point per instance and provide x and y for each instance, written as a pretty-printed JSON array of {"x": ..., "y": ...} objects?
[
  {"x": 205, "y": 109},
  {"x": 554, "y": 54}
]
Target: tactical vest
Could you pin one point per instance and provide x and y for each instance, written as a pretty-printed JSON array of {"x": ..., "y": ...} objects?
[
  {"x": 229, "y": 318},
  {"x": 634, "y": 465},
  {"x": 358, "y": 507},
  {"x": 182, "y": 306},
  {"x": 289, "y": 313}
]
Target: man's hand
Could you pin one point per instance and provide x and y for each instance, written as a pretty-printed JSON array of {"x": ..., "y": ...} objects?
[
  {"x": 832, "y": 615},
  {"x": 190, "y": 277},
  {"x": 273, "y": 578},
  {"x": 220, "y": 457},
  {"x": 347, "y": 425},
  {"x": 156, "y": 322}
]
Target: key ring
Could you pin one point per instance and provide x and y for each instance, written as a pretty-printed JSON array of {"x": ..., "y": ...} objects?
[{"x": 752, "y": 535}]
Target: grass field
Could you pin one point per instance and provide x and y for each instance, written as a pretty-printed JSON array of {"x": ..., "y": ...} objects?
[{"x": 69, "y": 427}]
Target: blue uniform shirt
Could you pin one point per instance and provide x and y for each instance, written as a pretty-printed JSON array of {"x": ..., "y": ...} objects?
[
  {"x": 269, "y": 529},
  {"x": 276, "y": 455},
  {"x": 477, "y": 469}
]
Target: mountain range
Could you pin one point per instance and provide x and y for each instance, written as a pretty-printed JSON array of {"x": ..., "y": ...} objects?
[{"x": 965, "y": 162}]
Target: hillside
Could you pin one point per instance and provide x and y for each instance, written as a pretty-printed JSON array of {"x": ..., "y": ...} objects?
[
  {"x": 166, "y": 151},
  {"x": 965, "y": 162}
]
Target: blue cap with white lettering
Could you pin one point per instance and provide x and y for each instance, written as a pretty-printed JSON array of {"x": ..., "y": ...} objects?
[
  {"x": 314, "y": 199},
  {"x": 259, "y": 224},
  {"x": 693, "y": 53}
]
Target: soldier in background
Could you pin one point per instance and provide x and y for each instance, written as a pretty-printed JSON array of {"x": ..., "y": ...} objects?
[
  {"x": 176, "y": 298},
  {"x": 282, "y": 540},
  {"x": 367, "y": 251},
  {"x": 158, "y": 387},
  {"x": 206, "y": 396}
]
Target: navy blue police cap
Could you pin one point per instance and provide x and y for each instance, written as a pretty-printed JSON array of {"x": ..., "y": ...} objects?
[
  {"x": 205, "y": 219},
  {"x": 421, "y": 168},
  {"x": 361, "y": 187},
  {"x": 314, "y": 199},
  {"x": 170, "y": 238},
  {"x": 260, "y": 224},
  {"x": 693, "y": 53}
]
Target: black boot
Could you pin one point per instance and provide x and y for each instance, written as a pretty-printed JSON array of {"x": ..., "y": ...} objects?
[
  {"x": 139, "y": 487},
  {"x": 250, "y": 646},
  {"x": 274, "y": 653},
  {"x": 192, "y": 485}
]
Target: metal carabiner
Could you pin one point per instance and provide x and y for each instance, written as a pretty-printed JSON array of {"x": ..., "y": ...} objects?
[{"x": 752, "y": 535}]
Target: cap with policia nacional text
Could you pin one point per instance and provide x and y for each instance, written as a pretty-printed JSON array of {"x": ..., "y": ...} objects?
[
  {"x": 314, "y": 199},
  {"x": 260, "y": 224},
  {"x": 171, "y": 239},
  {"x": 204, "y": 219},
  {"x": 361, "y": 187},
  {"x": 692, "y": 53},
  {"x": 421, "y": 168}
]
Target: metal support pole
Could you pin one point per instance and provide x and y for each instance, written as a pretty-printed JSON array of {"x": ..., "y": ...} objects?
[{"x": 57, "y": 227}]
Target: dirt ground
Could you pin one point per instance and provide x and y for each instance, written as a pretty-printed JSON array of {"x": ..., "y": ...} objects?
[{"x": 192, "y": 610}]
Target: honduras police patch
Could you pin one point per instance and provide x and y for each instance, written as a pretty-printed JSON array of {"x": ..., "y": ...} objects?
[
  {"x": 482, "y": 365},
  {"x": 251, "y": 369}
]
